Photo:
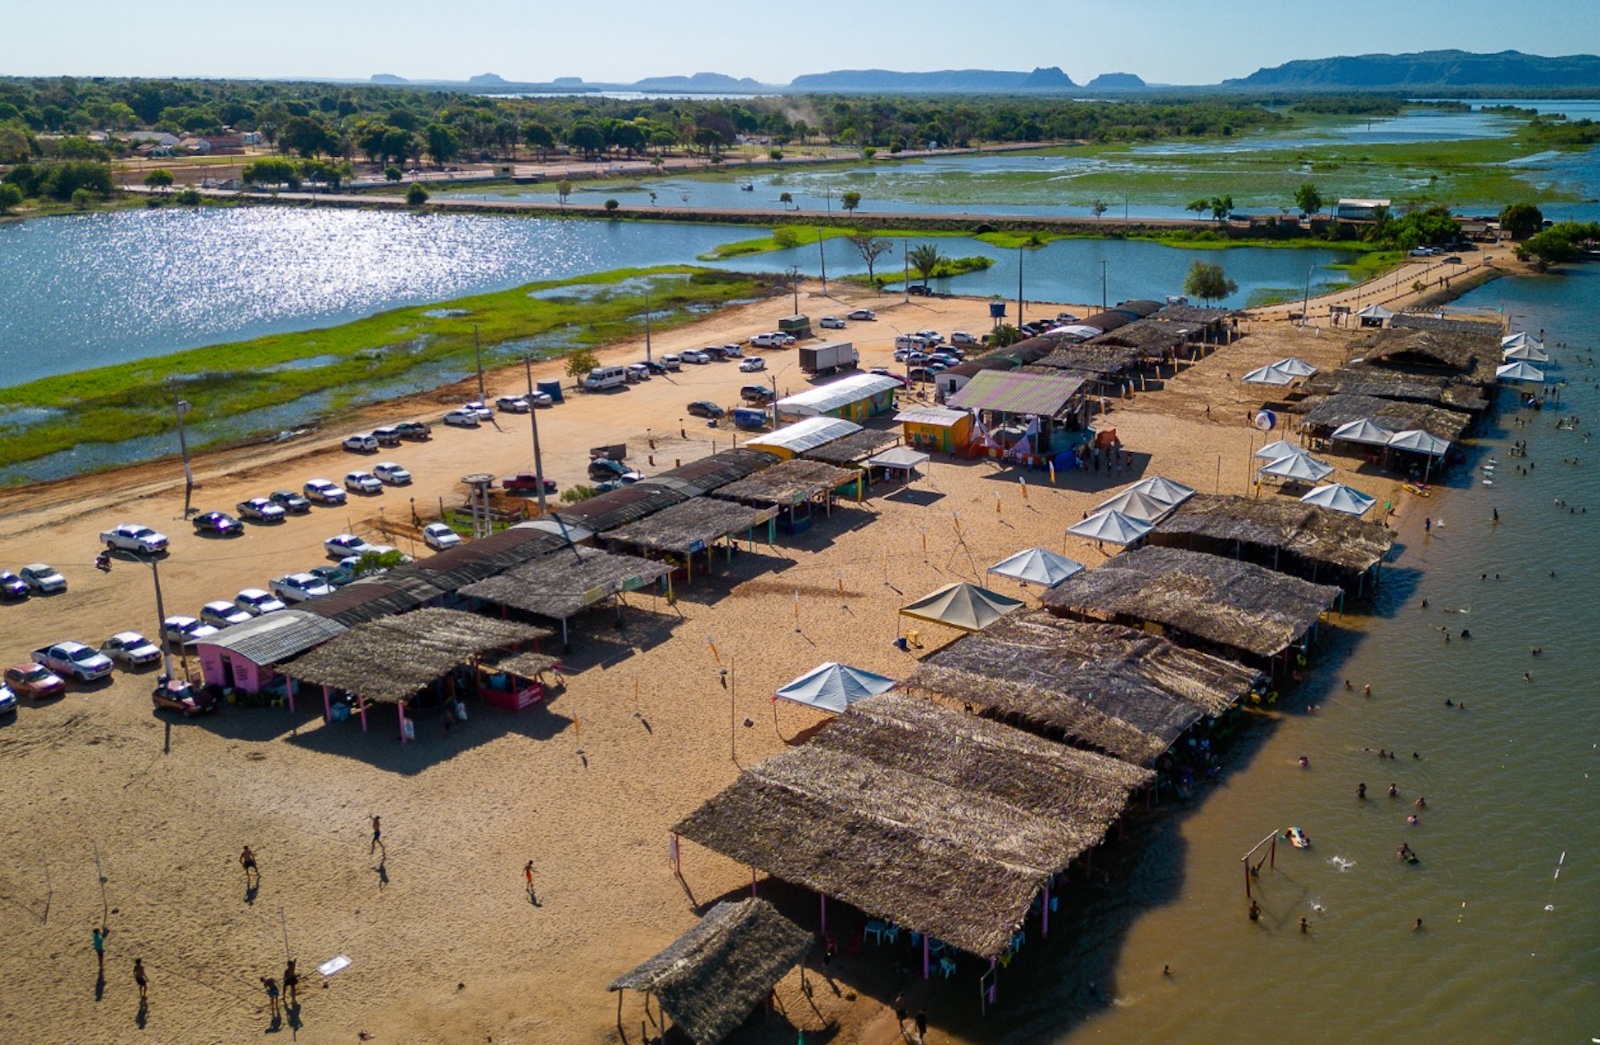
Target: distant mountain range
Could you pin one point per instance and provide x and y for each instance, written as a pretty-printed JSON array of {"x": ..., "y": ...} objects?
[{"x": 1422, "y": 72}]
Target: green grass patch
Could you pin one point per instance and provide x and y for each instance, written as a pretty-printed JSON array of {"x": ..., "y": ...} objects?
[{"x": 113, "y": 403}]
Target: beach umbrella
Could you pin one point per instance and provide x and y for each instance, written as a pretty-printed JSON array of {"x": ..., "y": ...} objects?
[
  {"x": 1269, "y": 375},
  {"x": 1529, "y": 353},
  {"x": 1519, "y": 371},
  {"x": 962, "y": 605},
  {"x": 1340, "y": 498},
  {"x": 1297, "y": 367},
  {"x": 1363, "y": 431},
  {"x": 1277, "y": 451},
  {"x": 1037, "y": 566},
  {"x": 1299, "y": 467},
  {"x": 834, "y": 687},
  {"x": 1136, "y": 504},
  {"x": 1419, "y": 442},
  {"x": 1520, "y": 339},
  {"x": 1164, "y": 489},
  {"x": 1111, "y": 525}
]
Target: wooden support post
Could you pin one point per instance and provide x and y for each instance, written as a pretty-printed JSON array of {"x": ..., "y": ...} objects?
[
  {"x": 1272, "y": 854},
  {"x": 327, "y": 705},
  {"x": 823, "y": 898},
  {"x": 401, "y": 708},
  {"x": 752, "y": 881},
  {"x": 1044, "y": 927},
  {"x": 361, "y": 708},
  {"x": 925, "y": 974},
  {"x": 1246, "y": 878}
]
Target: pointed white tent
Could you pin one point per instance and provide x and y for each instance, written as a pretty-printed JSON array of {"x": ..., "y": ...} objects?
[
  {"x": 1277, "y": 451},
  {"x": 1299, "y": 467},
  {"x": 1136, "y": 504},
  {"x": 1519, "y": 371},
  {"x": 1374, "y": 312},
  {"x": 1111, "y": 525},
  {"x": 1366, "y": 432},
  {"x": 962, "y": 605},
  {"x": 1164, "y": 489},
  {"x": 1419, "y": 442},
  {"x": 1295, "y": 366},
  {"x": 1269, "y": 375},
  {"x": 1037, "y": 566},
  {"x": 1519, "y": 339},
  {"x": 1341, "y": 498},
  {"x": 834, "y": 687},
  {"x": 1526, "y": 354}
]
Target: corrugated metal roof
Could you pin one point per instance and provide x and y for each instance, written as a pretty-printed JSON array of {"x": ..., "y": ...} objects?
[
  {"x": 718, "y": 469},
  {"x": 937, "y": 416},
  {"x": 275, "y": 636},
  {"x": 621, "y": 506},
  {"x": 365, "y": 600},
  {"x": 1017, "y": 392},
  {"x": 806, "y": 435},
  {"x": 485, "y": 557},
  {"x": 836, "y": 394}
]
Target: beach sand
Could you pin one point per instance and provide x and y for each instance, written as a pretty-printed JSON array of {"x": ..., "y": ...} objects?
[{"x": 443, "y": 942}]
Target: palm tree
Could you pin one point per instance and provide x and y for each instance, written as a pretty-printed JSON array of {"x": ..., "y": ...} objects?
[{"x": 925, "y": 258}]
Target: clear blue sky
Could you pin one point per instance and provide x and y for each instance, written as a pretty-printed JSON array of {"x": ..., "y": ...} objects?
[{"x": 1165, "y": 41}]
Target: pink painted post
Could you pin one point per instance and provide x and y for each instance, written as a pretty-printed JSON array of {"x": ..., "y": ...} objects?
[
  {"x": 925, "y": 973},
  {"x": 823, "y": 897},
  {"x": 288, "y": 692},
  {"x": 400, "y": 707},
  {"x": 361, "y": 707},
  {"x": 1044, "y": 929},
  {"x": 994, "y": 986},
  {"x": 327, "y": 705}
]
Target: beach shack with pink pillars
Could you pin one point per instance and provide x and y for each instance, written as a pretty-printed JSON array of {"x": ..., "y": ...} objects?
[{"x": 240, "y": 657}]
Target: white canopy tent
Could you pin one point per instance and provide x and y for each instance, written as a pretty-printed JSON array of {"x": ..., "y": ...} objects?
[
  {"x": 1164, "y": 489},
  {"x": 1526, "y": 354},
  {"x": 901, "y": 459},
  {"x": 1341, "y": 498},
  {"x": 1519, "y": 339},
  {"x": 1419, "y": 442},
  {"x": 1365, "y": 432},
  {"x": 1037, "y": 566},
  {"x": 1519, "y": 371},
  {"x": 1111, "y": 525},
  {"x": 1277, "y": 451},
  {"x": 1270, "y": 375},
  {"x": 1300, "y": 468},
  {"x": 1137, "y": 504},
  {"x": 834, "y": 687},
  {"x": 962, "y": 605},
  {"x": 1297, "y": 367}
]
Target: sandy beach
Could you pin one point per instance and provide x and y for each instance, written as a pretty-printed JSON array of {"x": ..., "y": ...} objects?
[{"x": 443, "y": 942}]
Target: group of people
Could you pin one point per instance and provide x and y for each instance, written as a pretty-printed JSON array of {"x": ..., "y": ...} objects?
[{"x": 290, "y": 990}]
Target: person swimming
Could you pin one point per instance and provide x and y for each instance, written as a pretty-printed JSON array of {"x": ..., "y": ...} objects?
[
  {"x": 1304, "y": 762},
  {"x": 1394, "y": 792},
  {"x": 1361, "y": 791},
  {"x": 1421, "y": 802}
]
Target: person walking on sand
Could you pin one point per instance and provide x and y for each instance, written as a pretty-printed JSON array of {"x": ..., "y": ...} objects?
[
  {"x": 922, "y": 1026},
  {"x": 247, "y": 860},
  {"x": 377, "y": 834},
  {"x": 97, "y": 939},
  {"x": 271, "y": 986},
  {"x": 527, "y": 876},
  {"x": 900, "y": 1014},
  {"x": 291, "y": 984},
  {"x": 141, "y": 980}
]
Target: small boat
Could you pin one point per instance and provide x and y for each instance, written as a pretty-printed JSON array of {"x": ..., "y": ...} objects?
[
  {"x": 1418, "y": 489},
  {"x": 1297, "y": 838}
]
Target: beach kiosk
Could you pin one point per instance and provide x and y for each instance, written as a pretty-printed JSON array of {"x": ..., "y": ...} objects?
[{"x": 936, "y": 428}]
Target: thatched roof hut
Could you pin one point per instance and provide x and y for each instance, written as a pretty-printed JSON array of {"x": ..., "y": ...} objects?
[
  {"x": 853, "y": 448},
  {"x": 1118, "y": 690},
  {"x": 1452, "y": 325},
  {"x": 1322, "y": 414},
  {"x": 710, "y": 978},
  {"x": 790, "y": 482},
  {"x": 944, "y": 823},
  {"x": 1093, "y": 358},
  {"x": 689, "y": 527},
  {"x": 1470, "y": 355},
  {"x": 710, "y": 473},
  {"x": 1287, "y": 535},
  {"x": 621, "y": 506},
  {"x": 1381, "y": 383},
  {"x": 484, "y": 557},
  {"x": 1231, "y": 604},
  {"x": 389, "y": 660},
  {"x": 560, "y": 586}
]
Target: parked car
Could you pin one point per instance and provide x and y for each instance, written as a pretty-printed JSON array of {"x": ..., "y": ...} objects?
[
  {"x": 921, "y": 374},
  {"x": 526, "y": 483},
  {"x": 131, "y": 649},
  {"x": 416, "y": 431},
  {"x": 672, "y": 362},
  {"x": 860, "y": 314},
  {"x": 185, "y": 631},
  {"x": 482, "y": 409},
  {"x": 962, "y": 337},
  {"x": 335, "y": 576},
  {"x": 34, "y": 681},
  {"x": 220, "y": 523},
  {"x": 75, "y": 659},
  {"x": 8, "y": 701},
  {"x": 12, "y": 586},
  {"x": 916, "y": 358},
  {"x": 947, "y": 359},
  {"x": 772, "y": 339},
  {"x": 255, "y": 602},
  {"x": 831, "y": 323},
  {"x": 342, "y": 544},
  {"x": 932, "y": 337},
  {"x": 462, "y": 419},
  {"x": 513, "y": 404},
  {"x": 362, "y": 482},
  {"x": 298, "y": 587},
  {"x": 361, "y": 443},
  {"x": 654, "y": 366},
  {"x": 42, "y": 578},
  {"x": 388, "y": 435},
  {"x": 1421, "y": 252},
  {"x": 883, "y": 371},
  {"x": 696, "y": 357},
  {"x": 438, "y": 536},
  {"x": 322, "y": 491},
  {"x": 1451, "y": 260},
  {"x": 757, "y": 395},
  {"x": 391, "y": 473},
  {"x": 920, "y": 290},
  {"x": 603, "y": 468},
  {"x": 184, "y": 696},
  {"x": 539, "y": 400},
  {"x": 222, "y": 614},
  {"x": 753, "y": 364},
  {"x": 290, "y": 501},
  {"x": 704, "y": 408},
  {"x": 261, "y": 510},
  {"x": 638, "y": 372},
  {"x": 134, "y": 537}
]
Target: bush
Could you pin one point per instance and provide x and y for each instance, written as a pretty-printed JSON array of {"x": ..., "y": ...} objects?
[
  {"x": 612, "y": 205},
  {"x": 574, "y": 494},
  {"x": 416, "y": 196},
  {"x": 83, "y": 199},
  {"x": 188, "y": 197}
]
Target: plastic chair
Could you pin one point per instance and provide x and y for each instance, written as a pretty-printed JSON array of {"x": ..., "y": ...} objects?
[
  {"x": 947, "y": 967},
  {"x": 891, "y": 932},
  {"x": 874, "y": 929}
]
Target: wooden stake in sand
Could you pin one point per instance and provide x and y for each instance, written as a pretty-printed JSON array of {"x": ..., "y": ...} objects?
[{"x": 797, "y": 603}]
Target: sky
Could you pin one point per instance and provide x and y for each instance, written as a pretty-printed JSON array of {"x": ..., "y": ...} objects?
[{"x": 621, "y": 41}]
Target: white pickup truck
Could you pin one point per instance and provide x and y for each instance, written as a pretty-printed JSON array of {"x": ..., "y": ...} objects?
[
  {"x": 74, "y": 659},
  {"x": 134, "y": 537}
]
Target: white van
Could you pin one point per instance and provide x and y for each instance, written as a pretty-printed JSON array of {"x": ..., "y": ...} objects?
[
  {"x": 911, "y": 342},
  {"x": 604, "y": 377}
]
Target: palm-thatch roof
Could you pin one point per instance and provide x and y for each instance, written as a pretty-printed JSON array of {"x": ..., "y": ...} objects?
[
  {"x": 621, "y": 506},
  {"x": 375, "y": 597},
  {"x": 790, "y": 482},
  {"x": 525, "y": 665},
  {"x": 689, "y": 527},
  {"x": 710, "y": 978},
  {"x": 1118, "y": 690},
  {"x": 560, "y": 586},
  {"x": 484, "y": 557},
  {"x": 1093, "y": 358},
  {"x": 1233, "y": 604},
  {"x": 1294, "y": 536},
  {"x": 944, "y": 823},
  {"x": 717, "y": 470},
  {"x": 1153, "y": 340},
  {"x": 389, "y": 660},
  {"x": 1453, "y": 325},
  {"x": 1464, "y": 354},
  {"x": 1382, "y": 383},
  {"x": 1329, "y": 412},
  {"x": 852, "y": 448}
]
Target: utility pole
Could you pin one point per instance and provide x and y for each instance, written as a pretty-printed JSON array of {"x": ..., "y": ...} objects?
[
  {"x": 181, "y": 407},
  {"x": 161, "y": 616},
  {"x": 822, "y": 255},
  {"x": 533, "y": 416},
  {"x": 477, "y": 354},
  {"x": 1305, "y": 305},
  {"x": 794, "y": 287},
  {"x": 647, "y": 355},
  {"x": 1019, "y": 287},
  {"x": 1102, "y": 285},
  {"x": 905, "y": 252}
]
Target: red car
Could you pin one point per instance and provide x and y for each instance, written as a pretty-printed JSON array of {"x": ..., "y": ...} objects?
[
  {"x": 526, "y": 483},
  {"x": 34, "y": 681},
  {"x": 179, "y": 695}
]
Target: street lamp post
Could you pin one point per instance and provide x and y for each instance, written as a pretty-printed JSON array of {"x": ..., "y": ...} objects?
[
  {"x": 647, "y": 356},
  {"x": 181, "y": 407},
  {"x": 533, "y": 417},
  {"x": 477, "y": 355}
]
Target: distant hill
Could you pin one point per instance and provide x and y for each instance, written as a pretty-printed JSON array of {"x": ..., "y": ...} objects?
[
  {"x": 1114, "y": 82},
  {"x": 487, "y": 80},
  {"x": 1428, "y": 70},
  {"x": 390, "y": 78},
  {"x": 699, "y": 83},
  {"x": 949, "y": 81}
]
